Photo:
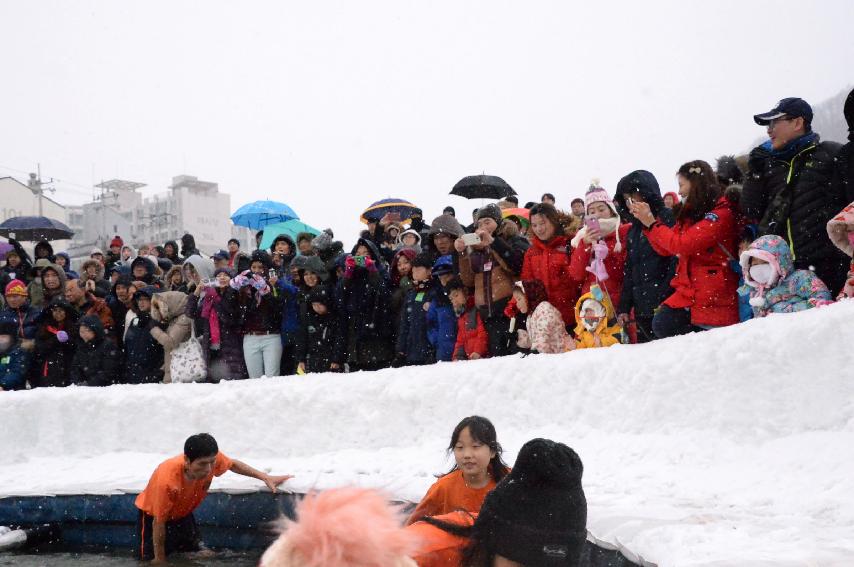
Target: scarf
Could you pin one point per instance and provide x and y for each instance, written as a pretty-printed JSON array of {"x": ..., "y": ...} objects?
[
  {"x": 790, "y": 150},
  {"x": 211, "y": 299}
]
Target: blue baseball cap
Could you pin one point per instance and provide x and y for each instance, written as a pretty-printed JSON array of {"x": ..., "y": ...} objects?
[{"x": 791, "y": 107}]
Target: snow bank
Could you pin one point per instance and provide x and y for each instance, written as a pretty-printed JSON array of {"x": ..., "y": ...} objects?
[{"x": 731, "y": 447}]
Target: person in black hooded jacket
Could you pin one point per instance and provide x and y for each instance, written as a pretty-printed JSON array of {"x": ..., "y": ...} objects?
[
  {"x": 647, "y": 275},
  {"x": 142, "y": 269},
  {"x": 55, "y": 342},
  {"x": 143, "y": 354},
  {"x": 319, "y": 344},
  {"x": 170, "y": 252},
  {"x": 843, "y": 179},
  {"x": 188, "y": 246},
  {"x": 97, "y": 361}
]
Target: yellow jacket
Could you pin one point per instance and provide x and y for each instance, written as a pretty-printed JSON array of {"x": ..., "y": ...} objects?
[{"x": 608, "y": 336}]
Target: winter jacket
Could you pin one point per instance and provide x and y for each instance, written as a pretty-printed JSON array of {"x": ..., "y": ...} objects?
[
  {"x": 646, "y": 274},
  {"x": 793, "y": 290},
  {"x": 840, "y": 229},
  {"x": 505, "y": 256},
  {"x": 412, "y": 338},
  {"x": 14, "y": 367},
  {"x": 53, "y": 356},
  {"x": 169, "y": 309},
  {"x": 173, "y": 256},
  {"x": 39, "y": 295},
  {"x": 843, "y": 179},
  {"x": 227, "y": 362},
  {"x": 441, "y": 325},
  {"x": 25, "y": 319},
  {"x": 102, "y": 286},
  {"x": 256, "y": 313},
  {"x": 97, "y": 362},
  {"x": 289, "y": 294},
  {"x": 320, "y": 341},
  {"x": 150, "y": 265},
  {"x": 363, "y": 305},
  {"x": 143, "y": 354},
  {"x": 188, "y": 247},
  {"x": 549, "y": 263},
  {"x": 167, "y": 280},
  {"x": 471, "y": 334},
  {"x": 438, "y": 547},
  {"x": 99, "y": 308},
  {"x": 69, "y": 273},
  {"x": 604, "y": 335},
  {"x": 582, "y": 256},
  {"x": 704, "y": 282},
  {"x": 789, "y": 193},
  {"x": 547, "y": 330}
]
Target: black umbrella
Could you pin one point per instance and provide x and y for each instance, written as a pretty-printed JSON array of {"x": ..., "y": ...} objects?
[
  {"x": 482, "y": 187},
  {"x": 35, "y": 228}
]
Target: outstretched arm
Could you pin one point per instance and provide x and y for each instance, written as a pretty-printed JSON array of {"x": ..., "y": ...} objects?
[{"x": 271, "y": 481}]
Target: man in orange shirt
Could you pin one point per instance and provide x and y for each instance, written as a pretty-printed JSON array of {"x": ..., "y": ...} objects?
[{"x": 177, "y": 487}]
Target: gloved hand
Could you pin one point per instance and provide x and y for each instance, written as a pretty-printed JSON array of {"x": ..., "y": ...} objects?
[{"x": 62, "y": 336}]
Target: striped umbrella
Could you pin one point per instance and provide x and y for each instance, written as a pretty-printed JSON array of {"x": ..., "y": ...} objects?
[{"x": 378, "y": 210}]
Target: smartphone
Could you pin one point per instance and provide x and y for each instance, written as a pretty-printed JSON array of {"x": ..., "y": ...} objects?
[
  {"x": 471, "y": 239},
  {"x": 271, "y": 273},
  {"x": 629, "y": 202},
  {"x": 360, "y": 261},
  {"x": 592, "y": 223}
]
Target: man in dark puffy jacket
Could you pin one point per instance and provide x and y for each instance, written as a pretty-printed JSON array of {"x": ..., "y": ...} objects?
[
  {"x": 647, "y": 275},
  {"x": 143, "y": 355},
  {"x": 18, "y": 311},
  {"x": 788, "y": 189},
  {"x": 97, "y": 361},
  {"x": 843, "y": 180}
]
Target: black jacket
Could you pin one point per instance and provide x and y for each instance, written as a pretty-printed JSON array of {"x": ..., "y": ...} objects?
[
  {"x": 843, "y": 179},
  {"x": 143, "y": 354},
  {"x": 793, "y": 198},
  {"x": 54, "y": 357},
  {"x": 319, "y": 341},
  {"x": 364, "y": 308},
  {"x": 647, "y": 275},
  {"x": 97, "y": 362}
]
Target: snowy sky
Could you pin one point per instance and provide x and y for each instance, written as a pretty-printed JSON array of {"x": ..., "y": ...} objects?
[{"x": 331, "y": 105}]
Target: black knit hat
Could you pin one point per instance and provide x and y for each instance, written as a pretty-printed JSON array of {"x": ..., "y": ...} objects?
[
  {"x": 490, "y": 211},
  {"x": 537, "y": 515}
]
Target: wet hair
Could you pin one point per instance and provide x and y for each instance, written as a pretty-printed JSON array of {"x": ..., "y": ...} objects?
[
  {"x": 482, "y": 430},
  {"x": 199, "y": 446},
  {"x": 705, "y": 190}
]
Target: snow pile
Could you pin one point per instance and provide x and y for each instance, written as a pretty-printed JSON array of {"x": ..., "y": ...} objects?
[{"x": 731, "y": 447}]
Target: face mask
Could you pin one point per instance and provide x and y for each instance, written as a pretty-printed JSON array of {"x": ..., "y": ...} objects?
[
  {"x": 590, "y": 324},
  {"x": 763, "y": 274}
]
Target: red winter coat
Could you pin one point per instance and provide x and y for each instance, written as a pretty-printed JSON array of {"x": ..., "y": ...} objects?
[
  {"x": 704, "y": 282},
  {"x": 549, "y": 263},
  {"x": 614, "y": 265},
  {"x": 472, "y": 340}
]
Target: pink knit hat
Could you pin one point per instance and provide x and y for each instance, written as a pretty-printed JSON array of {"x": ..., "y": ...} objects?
[{"x": 597, "y": 194}]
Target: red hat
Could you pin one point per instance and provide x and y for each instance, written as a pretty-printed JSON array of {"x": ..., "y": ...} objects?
[
  {"x": 16, "y": 287},
  {"x": 117, "y": 241}
]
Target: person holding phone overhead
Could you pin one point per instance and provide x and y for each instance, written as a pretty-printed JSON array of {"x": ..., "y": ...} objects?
[{"x": 597, "y": 250}]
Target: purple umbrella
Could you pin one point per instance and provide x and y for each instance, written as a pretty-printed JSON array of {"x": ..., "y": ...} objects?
[{"x": 4, "y": 248}]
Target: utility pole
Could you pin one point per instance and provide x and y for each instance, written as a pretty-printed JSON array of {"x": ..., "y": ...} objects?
[{"x": 35, "y": 184}]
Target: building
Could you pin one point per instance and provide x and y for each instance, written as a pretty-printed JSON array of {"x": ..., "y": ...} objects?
[{"x": 19, "y": 199}]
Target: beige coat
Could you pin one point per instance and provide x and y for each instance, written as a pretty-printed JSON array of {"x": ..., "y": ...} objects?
[{"x": 168, "y": 307}]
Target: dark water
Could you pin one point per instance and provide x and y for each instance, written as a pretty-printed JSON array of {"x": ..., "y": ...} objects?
[{"x": 123, "y": 559}]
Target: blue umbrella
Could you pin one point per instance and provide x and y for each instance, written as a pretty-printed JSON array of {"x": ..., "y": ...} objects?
[
  {"x": 259, "y": 214},
  {"x": 35, "y": 228}
]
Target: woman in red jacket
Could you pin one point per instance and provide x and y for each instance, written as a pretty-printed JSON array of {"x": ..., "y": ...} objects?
[
  {"x": 704, "y": 238},
  {"x": 598, "y": 255},
  {"x": 547, "y": 259}
]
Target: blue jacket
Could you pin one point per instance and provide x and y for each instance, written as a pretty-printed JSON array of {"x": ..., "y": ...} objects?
[
  {"x": 412, "y": 338},
  {"x": 442, "y": 326},
  {"x": 290, "y": 310},
  {"x": 14, "y": 365},
  {"x": 26, "y": 316}
]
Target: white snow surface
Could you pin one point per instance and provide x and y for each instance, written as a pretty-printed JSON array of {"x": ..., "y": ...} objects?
[{"x": 724, "y": 448}]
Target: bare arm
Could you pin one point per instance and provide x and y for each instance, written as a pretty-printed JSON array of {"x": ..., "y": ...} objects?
[
  {"x": 272, "y": 482},
  {"x": 158, "y": 539}
]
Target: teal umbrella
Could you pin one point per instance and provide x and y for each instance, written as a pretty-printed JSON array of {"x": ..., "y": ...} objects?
[{"x": 289, "y": 228}]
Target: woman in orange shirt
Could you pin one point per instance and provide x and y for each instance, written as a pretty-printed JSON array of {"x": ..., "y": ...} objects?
[{"x": 478, "y": 468}]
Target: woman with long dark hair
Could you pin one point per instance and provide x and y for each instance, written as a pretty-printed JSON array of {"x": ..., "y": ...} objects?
[{"x": 704, "y": 238}]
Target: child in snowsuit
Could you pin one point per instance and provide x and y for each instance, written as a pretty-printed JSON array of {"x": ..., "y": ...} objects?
[
  {"x": 320, "y": 345},
  {"x": 593, "y": 330},
  {"x": 472, "y": 340},
  {"x": 441, "y": 319},
  {"x": 413, "y": 347},
  {"x": 841, "y": 231},
  {"x": 776, "y": 286},
  {"x": 97, "y": 361},
  {"x": 545, "y": 326}
]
